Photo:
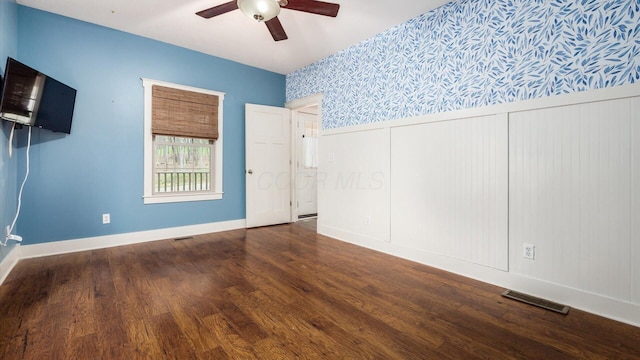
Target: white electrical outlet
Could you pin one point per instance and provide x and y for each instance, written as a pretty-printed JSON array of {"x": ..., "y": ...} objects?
[
  {"x": 367, "y": 220},
  {"x": 106, "y": 218},
  {"x": 529, "y": 251}
]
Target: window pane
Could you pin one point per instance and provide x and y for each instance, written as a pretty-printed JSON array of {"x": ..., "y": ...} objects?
[{"x": 182, "y": 164}]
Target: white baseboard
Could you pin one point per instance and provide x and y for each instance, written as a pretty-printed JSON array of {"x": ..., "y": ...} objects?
[
  {"x": 351, "y": 236},
  {"x": 100, "y": 242},
  {"x": 590, "y": 302},
  {"x": 9, "y": 261}
]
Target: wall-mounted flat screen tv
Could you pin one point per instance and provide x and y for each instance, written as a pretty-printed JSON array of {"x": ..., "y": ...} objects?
[{"x": 32, "y": 98}]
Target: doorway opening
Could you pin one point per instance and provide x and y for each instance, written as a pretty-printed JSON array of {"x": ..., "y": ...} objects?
[
  {"x": 307, "y": 136},
  {"x": 306, "y": 114}
]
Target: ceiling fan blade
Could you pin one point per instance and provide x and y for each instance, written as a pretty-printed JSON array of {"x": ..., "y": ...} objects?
[
  {"x": 276, "y": 29},
  {"x": 314, "y": 7},
  {"x": 218, "y": 10}
]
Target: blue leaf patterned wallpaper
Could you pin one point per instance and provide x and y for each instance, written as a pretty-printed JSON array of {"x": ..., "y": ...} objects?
[{"x": 471, "y": 53}]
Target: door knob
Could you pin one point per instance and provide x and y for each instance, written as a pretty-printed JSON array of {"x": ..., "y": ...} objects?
[{"x": 250, "y": 171}]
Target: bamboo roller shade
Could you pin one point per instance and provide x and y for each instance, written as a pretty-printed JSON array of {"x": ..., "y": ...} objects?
[{"x": 184, "y": 113}]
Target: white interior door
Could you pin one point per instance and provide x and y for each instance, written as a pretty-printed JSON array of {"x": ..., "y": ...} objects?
[
  {"x": 307, "y": 162},
  {"x": 268, "y": 165}
]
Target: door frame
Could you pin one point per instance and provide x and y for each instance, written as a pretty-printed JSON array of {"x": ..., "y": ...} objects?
[{"x": 295, "y": 106}]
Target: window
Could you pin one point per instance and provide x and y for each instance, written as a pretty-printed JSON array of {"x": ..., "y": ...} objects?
[
  {"x": 181, "y": 164},
  {"x": 182, "y": 143}
]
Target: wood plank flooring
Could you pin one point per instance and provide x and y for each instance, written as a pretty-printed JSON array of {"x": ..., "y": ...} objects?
[{"x": 279, "y": 292}]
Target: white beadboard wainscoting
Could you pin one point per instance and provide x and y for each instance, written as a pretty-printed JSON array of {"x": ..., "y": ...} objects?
[
  {"x": 463, "y": 191},
  {"x": 571, "y": 195},
  {"x": 353, "y": 185},
  {"x": 449, "y": 189}
]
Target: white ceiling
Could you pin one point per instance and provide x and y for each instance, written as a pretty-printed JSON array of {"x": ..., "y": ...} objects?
[{"x": 236, "y": 37}]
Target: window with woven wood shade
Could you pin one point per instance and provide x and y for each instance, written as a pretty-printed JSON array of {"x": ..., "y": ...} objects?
[{"x": 177, "y": 112}]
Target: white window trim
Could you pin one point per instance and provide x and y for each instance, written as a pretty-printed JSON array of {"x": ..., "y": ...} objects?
[{"x": 149, "y": 197}]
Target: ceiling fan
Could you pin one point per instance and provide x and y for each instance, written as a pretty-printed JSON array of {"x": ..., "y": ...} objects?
[{"x": 267, "y": 11}]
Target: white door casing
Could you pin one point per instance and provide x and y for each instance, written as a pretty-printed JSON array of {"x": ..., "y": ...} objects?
[{"x": 268, "y": 165}]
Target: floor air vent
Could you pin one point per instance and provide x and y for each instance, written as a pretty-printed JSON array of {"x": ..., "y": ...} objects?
[
  {"x": 532, "y": 300},
  {"x": 183, "y": 238}
]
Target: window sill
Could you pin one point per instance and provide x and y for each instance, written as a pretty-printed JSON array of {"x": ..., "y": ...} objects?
[{"x": 161, "y": 199}]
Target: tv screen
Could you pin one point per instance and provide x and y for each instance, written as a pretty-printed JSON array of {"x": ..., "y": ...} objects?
[
  {"x": 56, "y": 106},
  {"x": 32, "y": 98}
]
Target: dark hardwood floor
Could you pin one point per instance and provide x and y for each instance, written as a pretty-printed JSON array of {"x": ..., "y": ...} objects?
[{"x": 279, "y": 292}]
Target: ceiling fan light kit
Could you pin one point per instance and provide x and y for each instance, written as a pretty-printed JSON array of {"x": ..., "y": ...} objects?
[
  {"x": 267, "y": 11},
  {"x": 260, "y": 10}
]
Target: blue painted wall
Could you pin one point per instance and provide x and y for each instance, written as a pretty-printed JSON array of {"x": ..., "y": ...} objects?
[
  {"x": 471, "y": 53},
  {"x": 99, "y": 167},
  {"x": 8, "y": 47}
]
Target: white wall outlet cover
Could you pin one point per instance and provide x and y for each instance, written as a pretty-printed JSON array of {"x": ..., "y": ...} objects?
[
  {"x": 106, "y": 218},
  {"x": 529, "y": 251}
]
